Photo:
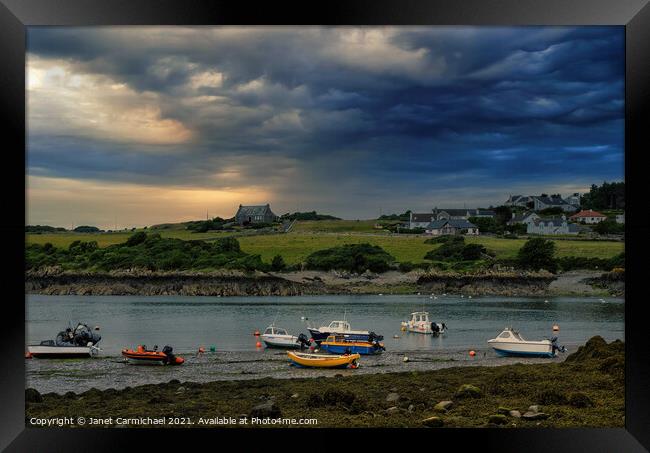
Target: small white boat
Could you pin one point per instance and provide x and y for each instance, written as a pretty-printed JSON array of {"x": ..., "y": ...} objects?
[
  {"x": 511, "y": 343},
  {"x": 420, "y": 323},
  {"x": 276, "y": 337},
  {"x": 48, "y": 349}
]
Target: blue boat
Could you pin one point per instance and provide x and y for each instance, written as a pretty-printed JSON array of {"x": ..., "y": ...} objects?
[{"x": 339, "y": 344}]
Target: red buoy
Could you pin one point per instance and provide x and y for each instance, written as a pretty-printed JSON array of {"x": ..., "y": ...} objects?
[
  {"x": 201, "y": 349},
  {"x": 257, "y": 333},
  {"x": 258, "y": 344},
  {"x": 472, "y": 353}
]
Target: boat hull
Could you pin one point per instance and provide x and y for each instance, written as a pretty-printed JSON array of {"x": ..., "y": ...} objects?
[
  {"x": 150, "y": 358},
  {"x": 61, "y": 352},
  {"x": 342, "y": 348},
  {"x": 526, "y": 349},
  {"x": 318, "y": 335},
  {"x": 423, "y": 328},
  {"x": 280, "y": 342},
  {"x": 322, "y": 361}
]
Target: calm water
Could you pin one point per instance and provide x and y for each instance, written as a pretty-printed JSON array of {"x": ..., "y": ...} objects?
[{"x": 228, "y": 323}]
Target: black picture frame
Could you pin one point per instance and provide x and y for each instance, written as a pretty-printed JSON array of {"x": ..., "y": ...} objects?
[{"x": 16, "y": 15}]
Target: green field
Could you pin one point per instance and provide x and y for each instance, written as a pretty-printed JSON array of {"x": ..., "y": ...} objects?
[{"x": 310, "y": 236}]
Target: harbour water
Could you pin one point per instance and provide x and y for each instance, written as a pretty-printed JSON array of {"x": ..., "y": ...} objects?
[{"x": 226, "y": 325}]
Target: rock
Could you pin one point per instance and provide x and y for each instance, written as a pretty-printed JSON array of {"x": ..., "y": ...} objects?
[
  {"x": 498, "y": 419},
  {"x": 392, "y": 397},
  {"x": 295, "y": 395},
  {"x": 264, "y": 410},
  {"x": 411, "y": 407},
  {"x": 468, "y": 391},
  {"x": 433, "y": 422},
  {"x": 535, "y": 415},
  {"x": 443, "y": 406},
  {"x": 580, "y": 400},
  {"x": 174, "y": 382},
  {"x": 33, "y": 396},
  {"x": 533, "y": 408},
  {"x": 180, "y": 389},
  {"x": 515, "y": 414},
  {"x": 503, "y": 410},
  {"x": 392, "y": 410}
]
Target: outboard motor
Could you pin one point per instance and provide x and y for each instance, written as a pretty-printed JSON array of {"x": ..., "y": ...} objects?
[
  {"x": 304, "y": 341},
  {"x": 434, "y": 328},
  {"x": 167, "y": 350},
  {"x": 373, "y": 337},
  {"x": 556, "y": 347}
]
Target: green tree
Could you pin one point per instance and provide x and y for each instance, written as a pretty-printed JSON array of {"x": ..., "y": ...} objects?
[
  {"x": 278, "y": 264},
  {"x": 536, "y": 254},
  {"x": 607, "y": 196},
  {"x": 137, "y": 238}
]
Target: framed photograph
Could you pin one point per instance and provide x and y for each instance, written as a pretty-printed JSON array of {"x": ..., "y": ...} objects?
[{"x": 371, "y": 215}]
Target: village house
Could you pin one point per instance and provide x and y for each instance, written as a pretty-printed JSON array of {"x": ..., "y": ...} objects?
[
  {"x": 525, "y": 218},
  {"x": 620, "y": 218},
  {"x": 518, "y": 200},
  {"x": 254, "y": 214},
  {"x": 451, "y": 226},
  {"x": 545, "y": 202},
  {"x": 588, "y": 216},
  {"x": 423, "y": 220},
  {"x": 555, "y": 225}
]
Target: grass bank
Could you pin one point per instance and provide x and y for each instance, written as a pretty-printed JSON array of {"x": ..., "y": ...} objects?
[{"x": 586, "y": 390}]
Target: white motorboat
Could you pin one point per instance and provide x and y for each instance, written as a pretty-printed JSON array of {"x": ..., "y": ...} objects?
[
  {"x": 80, "y": 342},
  {"x": 335, "y": 327},
  {"x": 48, "y": 349},
  {"x": 511, "y": 343},
  {"x": 420, "y": 323},
  {"x": 276, "y": 337}
]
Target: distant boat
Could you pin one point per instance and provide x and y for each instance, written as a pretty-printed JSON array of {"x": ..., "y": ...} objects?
[
  {"x": 323, "y": 360},
  {"x": 511, "y": 343},
  {"x": 276, "y": 337},
  {"x": 142, "y": 356},
  {"x": 420, "y": 323}
]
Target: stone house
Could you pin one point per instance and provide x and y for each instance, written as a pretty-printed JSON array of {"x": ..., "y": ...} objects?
[
  {"x": 451, "y": 226},
  {"x": 255, "y": 214}
]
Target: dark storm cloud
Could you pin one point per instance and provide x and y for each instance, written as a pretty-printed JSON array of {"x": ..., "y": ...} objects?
[{"x": 474, "y": 108}]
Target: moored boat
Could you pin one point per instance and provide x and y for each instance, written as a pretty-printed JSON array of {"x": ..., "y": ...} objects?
[
  {"x": 276, "y": 337},
  {"x": 80, "y": 342},
  {"x": 340, "y": 344},
  {"x": 337, "y": 327},
  {"x": 323, "y": 360},
  {"x": 511, "y": 343},
  {"x": 420, "y": 323},
  {"x": 142, "y": 356}
]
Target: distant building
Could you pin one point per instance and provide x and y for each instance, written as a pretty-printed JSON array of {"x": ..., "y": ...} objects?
[
  {"x": 525, "y": 218},
  {"x": 423, "y": 220},
  {"x": 588, "y": 216},
  {"x": 254, "y": 214},
  {"x": 518, "y": 200},
  {"x": 555, "y": 225},
  {"x": 574, "y": 200},
  {"x": 540, "y": 203},
  {"x": 620, "y": 218},
  {"x": 451, "y": 226}
]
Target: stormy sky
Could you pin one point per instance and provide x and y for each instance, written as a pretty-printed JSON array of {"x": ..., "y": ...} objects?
[{"x": 132, "y": 126}]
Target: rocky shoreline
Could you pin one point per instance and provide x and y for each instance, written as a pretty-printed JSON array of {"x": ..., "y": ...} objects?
[
  {"x": 235, "y": 283},
  {"x": 520, "y": 395}
]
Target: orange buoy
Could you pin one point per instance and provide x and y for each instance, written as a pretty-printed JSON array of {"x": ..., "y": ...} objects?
[
  {"x": 556, "y": 328},
  {"x": 28, "y": 355},
  {"x": 201, "y": 349},
  {"x": 258, "y": 344},
  {"x": 472, "y": 353}
]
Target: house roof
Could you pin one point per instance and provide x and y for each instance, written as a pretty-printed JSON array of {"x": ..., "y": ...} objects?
[
  {"x": 555, "y": 221},
  {"x": 254, "y": 210},
  {"x": 422, "y": 217},
  {"x": 520, "y": 217},
  {"x": 456, "y": 223},
  {"x": 551, "y": 201},
  {"x": 587, "y": 213}
]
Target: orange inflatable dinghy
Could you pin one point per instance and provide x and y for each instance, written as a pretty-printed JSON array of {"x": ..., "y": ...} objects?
[{"x": 142, "y": 356}]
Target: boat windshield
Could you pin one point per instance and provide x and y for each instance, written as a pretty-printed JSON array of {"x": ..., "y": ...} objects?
[
  {"x": 280, "y": 332},
  {"x": 268, "y": 331},
  {"x": 339, "y": 325}
]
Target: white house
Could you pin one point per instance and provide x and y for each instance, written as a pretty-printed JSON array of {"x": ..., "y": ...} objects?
[
  {"x": 540, "y": 203},
  {"x": 620, "y": 218},
  {"x": 423, "y": 220},
  {"x": 451, "y": 226},
  {"x": 588, "y": 216},
  {"x": 525, "y": 218},
  {"x": 556, "y": 225}
]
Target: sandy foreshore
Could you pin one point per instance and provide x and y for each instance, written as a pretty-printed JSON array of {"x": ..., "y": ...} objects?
[
  {"x": 585, "y": 390},
  {"x": 235, "y": 283}
]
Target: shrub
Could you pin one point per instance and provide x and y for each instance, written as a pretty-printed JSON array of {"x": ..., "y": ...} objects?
[
  {"x": 137, "y": 238},
  {"x": 406, "y": 266},
  {"x": 351, "y": 257},
  {"x": 278, "y": 264},
  {"x": 536, "y": 254}
]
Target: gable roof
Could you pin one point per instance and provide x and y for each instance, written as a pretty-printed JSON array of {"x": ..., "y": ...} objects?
[
  {"x": 521, "y": 217},
  {"x": 588, "y": 213},
  {"x": 456, "y": 223},
  {"x": 422, "y": 217},
  {"x": 555, "y": 221},
  {"x": 551, "y": 201},
  {"x": 254, "y": 210}
]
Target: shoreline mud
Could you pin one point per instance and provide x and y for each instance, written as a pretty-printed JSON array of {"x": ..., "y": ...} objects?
[
  {"x": 233, "y": 283},
  {"x": 517, "y": 395}
]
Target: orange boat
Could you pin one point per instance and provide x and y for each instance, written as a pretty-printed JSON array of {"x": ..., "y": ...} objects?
[{"x": 142, "y": 356}]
